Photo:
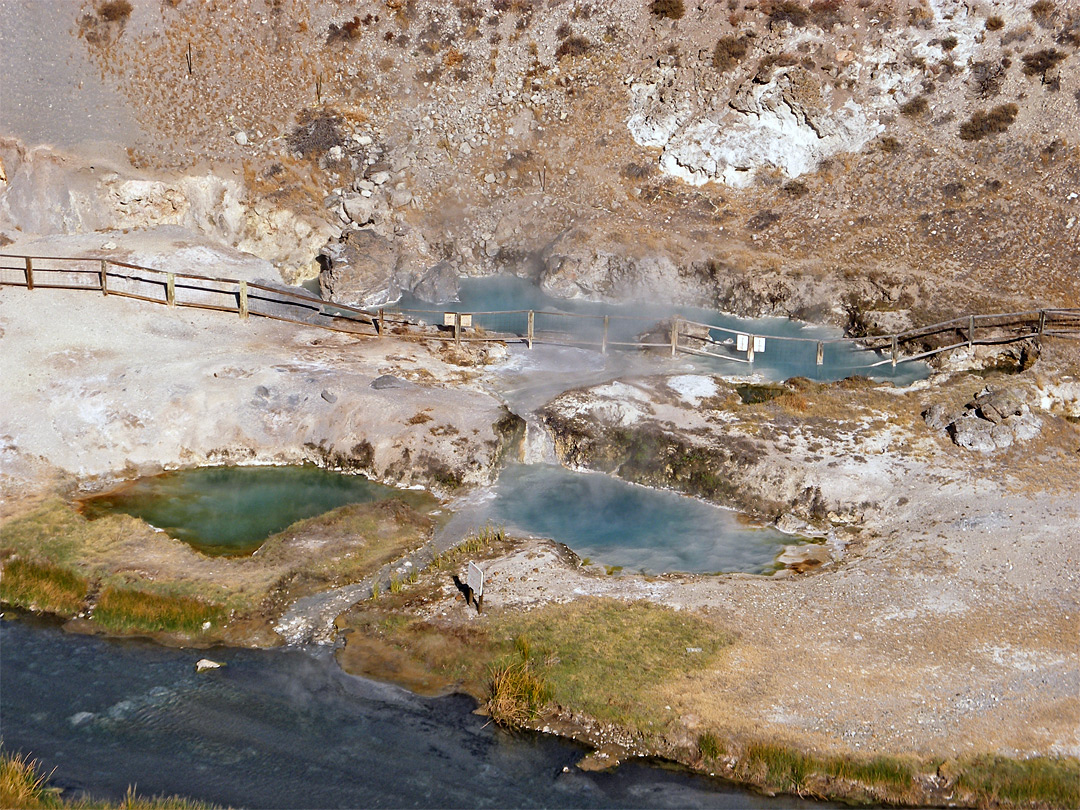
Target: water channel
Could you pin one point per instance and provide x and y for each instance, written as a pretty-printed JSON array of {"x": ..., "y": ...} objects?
[{"x": 287, "y": 728}]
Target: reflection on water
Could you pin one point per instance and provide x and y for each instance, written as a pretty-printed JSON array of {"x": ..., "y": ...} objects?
[
  {"x": 287, "y": 728},
  {"x": 616, "y": 523},
  {"x": 232, "y": 510}
]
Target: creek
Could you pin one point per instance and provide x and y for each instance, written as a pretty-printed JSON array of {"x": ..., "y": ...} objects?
[{"x": 287, "y": 728}]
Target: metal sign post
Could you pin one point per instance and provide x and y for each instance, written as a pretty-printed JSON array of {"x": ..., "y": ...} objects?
[{"x": 475, "y": 582}]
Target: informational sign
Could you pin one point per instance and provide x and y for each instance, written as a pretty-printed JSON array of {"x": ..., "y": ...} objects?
[
  {"x": 466, "y": 321},
  {"x": 742, "y": 342},
  {"x": 759, "y": 344},
  {"x": 476, "y": 581},
  {"x": 448, "y": 318}
]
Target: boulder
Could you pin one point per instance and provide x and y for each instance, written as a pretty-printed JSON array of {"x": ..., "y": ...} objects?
[
  {"x": 205, "y": 665},
  {"x": 359, "y": 270},
  {"x": 939, "y": 417},
  {"x": 973, "y": 433},
  {"x": 996, "y": 405},
  {"x": 437, "y": 284}
]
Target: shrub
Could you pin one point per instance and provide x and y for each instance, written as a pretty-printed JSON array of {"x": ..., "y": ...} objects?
[
  {"x": 671, "y": 9},
  {"x": 915, "y": 107},
  {"x": 992, "y": 122},
  {"x": 994, "y": 23},
  {"x": 347, "y": 31},
  {"x": 987, "y": 77},
  {"x": 316, "y": 133},
  {"x": 788, "y": 11},
  {"x": 1039, "y": 62},
  {"x": 114, "y": 10},
  {"x": 827, "y": 13},
  {"x": 949, "y": 42},
  {"x": 890, "y": 145},
  {"x": 729, "y": 51},
  {"x": 43, "y": 587},
  {"x": 762, "y": 220},
  {"x": 1042, "y": 10},
  {"x": 573, "y": 46},
  {"x": 796, "y": 188}
]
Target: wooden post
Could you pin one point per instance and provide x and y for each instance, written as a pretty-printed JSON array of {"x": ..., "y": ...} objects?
[
  {"x": 603, "y": 341},
  {"x": 243, "y": 308},
  {"x": 750, "y": 349},
  {"x": 529, "y": 334},
  {"x": 674, "y": 336},
  {"x": 1042, "y": 312},
  {"x": 820, "y": 353},
  {"x": 104, "y": 273},
  {"x": 895, "y": 350},
  {"x": 170, "y": 289},
  {"x": 381, "y": 324},
  {"x": 971, "y": 330},
  {"x": 29, "y": 273},
  {"x": 457, "y": 328}
]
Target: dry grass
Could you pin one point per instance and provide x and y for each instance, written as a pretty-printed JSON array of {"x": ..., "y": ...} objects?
[
  {"x": 517, "y": 694},
  {"x": 24, "y": 786},
  {"x": 42, "y": 587},
  {"x": 125, "y": 611}
]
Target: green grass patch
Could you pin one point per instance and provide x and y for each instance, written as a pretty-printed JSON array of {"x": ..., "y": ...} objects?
[
  {"x": 42, "y": 587},
  {"x": 709, "y": 745},
  {"x": 1046, "y": 781},
  {"x": 126, "y": 610},
  {"x": 782, "y": 767},
  {"x": 608, "y": 658}
]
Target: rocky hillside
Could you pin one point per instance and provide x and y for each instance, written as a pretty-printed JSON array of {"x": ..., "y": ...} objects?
[{"x": 865, "y": 162}]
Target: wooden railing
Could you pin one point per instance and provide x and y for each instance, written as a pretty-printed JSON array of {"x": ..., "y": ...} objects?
[{"x": 675, "y": 335}]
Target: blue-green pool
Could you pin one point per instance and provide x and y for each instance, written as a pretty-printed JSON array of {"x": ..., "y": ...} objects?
[{"x": 232, "y": 510}]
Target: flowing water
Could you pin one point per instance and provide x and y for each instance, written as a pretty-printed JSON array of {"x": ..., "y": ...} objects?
[
  {"x": 287, "y": 728},
  {"x": 232, "y": 510}
]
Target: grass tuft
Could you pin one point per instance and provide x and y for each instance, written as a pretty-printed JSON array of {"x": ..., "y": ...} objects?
[
  {"x": 42, "y": 587},
  {"x": 23, "y": 785},
  {"x": 517, "y": 694},
  {"x": 121, "y": 609},
  {"x": 709, "y": 745},
  {"x": 1049, "y": 781}
]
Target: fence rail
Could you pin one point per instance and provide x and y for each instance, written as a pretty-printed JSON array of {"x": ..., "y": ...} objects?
[{"x": 602, "y": 332}]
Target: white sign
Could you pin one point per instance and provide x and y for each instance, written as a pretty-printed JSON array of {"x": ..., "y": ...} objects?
[
  {"x": 741, "y": 342},
  {"x": 759, "y": 344},
  {"x": 466, "y": 321},
  {"x": 476, "y": 581},
  {"x": 448, "y": 318}
]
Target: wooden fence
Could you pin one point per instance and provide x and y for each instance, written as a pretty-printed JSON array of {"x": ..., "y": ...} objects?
[{"x": 602, "y": 332}]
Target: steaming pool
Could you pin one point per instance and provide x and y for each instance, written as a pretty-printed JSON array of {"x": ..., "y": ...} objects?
[{"x": 232, "y": 510}]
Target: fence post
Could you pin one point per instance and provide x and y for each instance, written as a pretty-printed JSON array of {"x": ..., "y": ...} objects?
[
  {"x": 971, "y": 330},
  {"x": 529, "y": 337},
  {"x": 243, "y": 308},
  {"x": 457, "y": 328},
  {"x": 674, "y": 335},
  {"x": 603, "y": 341},
  {"x": 750, "y": 349},
  {"x": 820, "y": 353},
  {"x": 381, "y": 324},
  {"x": 29, "y": 273},
  {"x": 895, "y": 350},
  {"x": 104, "y": 273},
  {"x": 170, "y": 289},
  {"x": 1042, "y": 312}
]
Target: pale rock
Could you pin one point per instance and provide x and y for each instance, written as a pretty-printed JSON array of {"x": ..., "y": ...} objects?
[
  {"x": 359, "y": 270},
  {"x": 400, "y": 197},
  {"x": 205, "y": 665},
  {"x": 379, "y": 178},
  {"x": 241, "y": 138}
]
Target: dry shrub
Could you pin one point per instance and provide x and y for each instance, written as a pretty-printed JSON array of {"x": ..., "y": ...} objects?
[
  {"x": 949, "y": 42},
  {"x": 987, "y": 77},
  {"x": 788, "y": 11},
  {"x": 316, "y": 133},
  {"x": 915, "y": 107},
  {"x": 1039, "y": 62},
  {"x": 729, "y": 51},
  {"x": 1042, "y": 11},
  {"x": 991, "y": 122},
  {"x": 114, "y": 10},
  {"x": 517, "y": 694},
  {"x": 573, "y": 46},
  {"x": 671, "y": 9},
  {"x": 890, "y": 145},
  {"x": 994, "y": 23}
]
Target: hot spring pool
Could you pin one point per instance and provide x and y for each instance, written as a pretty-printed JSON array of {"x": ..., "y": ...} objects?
[{"x": 232, "y": 510}]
